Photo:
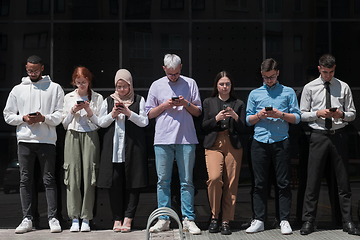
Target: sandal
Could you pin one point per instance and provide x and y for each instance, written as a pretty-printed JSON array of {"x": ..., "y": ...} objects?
[
  {"x": 117, "y": 226},
  {"x": 124, "y": 228}
]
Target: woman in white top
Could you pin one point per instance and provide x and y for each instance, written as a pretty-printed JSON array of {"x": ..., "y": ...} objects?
[
  {"x": 123, "y": 165},
  {"x": 82, "y": 148}
]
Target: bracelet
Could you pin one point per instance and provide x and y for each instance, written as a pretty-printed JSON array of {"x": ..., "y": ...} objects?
[
  {"x": 187, "y": 105},
  {"x": 72, "y": 110},
  {"x": 257, "y": 114}
]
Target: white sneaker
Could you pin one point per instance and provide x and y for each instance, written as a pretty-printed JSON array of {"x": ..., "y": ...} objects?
[
  {"x": 190, "y": 226},
  {"x": 25, "y": 226},
  {"x": 85, "y": 226},
  {"x": 54, "y": 225},
  {"x": 285, "y": 227},
  {"x": 161, "y": 225},
  {"x": 75, "y": 225},
  {"x": 256, "y": 226}
]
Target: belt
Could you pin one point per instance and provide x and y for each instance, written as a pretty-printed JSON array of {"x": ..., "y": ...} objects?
[{"x": 329, "y": 132}]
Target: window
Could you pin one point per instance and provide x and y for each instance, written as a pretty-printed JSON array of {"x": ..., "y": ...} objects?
[
  {"x": 238, "y": 5},
  {"x": 59, "y": 6},
  {"x": 35, "y": 41},
  {"x": 3, "y": 42},
  {"x": 297, "y": 43},
  {"x": 198, "y": 4},
  {"x": 140, "y": 45},
  {"x": 298, "y": 6},
  {"x": 172, "y": 4},
  {"x": 38, "y": 6},
  {"x": 4, "y": 7},
  {"x": 171, "y": 42}
]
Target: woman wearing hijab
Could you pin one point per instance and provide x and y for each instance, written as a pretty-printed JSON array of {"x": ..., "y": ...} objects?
[{"x": 123, "y": 165}]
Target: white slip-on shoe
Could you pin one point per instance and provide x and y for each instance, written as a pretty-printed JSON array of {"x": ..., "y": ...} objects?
[
  {"x": 85, "y": 226},
  {"x": 190, "y": 226},
  {"x": 160, "y": 226},
  {"x": 285, "y": 227},
  {"x": 75, "y": 225},
  {"x": 256, "y": 226},
  {"x": 54, "y": 225},
  {"x": 25, "y": 226}
]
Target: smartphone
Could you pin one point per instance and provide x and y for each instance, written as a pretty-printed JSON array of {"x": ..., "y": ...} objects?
[
  {"x": 333, "y": 109},
  {"x": 174, "y": 98},
  {"x": 225, "y": 106},
  {"x": 268, "y": 108},
  {"x": 119, "y": 105},
  {"x": 80, "y": 101},
  {"x": 32, "y": 114}
]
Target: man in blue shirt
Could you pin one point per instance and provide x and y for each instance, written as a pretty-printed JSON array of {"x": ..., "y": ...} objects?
[{"x": 270, "y": 109}]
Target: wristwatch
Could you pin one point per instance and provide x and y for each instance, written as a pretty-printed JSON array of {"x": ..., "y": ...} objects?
[{"x": 282, "y": 115}]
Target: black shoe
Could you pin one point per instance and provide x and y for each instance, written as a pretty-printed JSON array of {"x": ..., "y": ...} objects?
[
  {"x": 350, "y": 228},
  {"x": 225, "y": 229},
  {"x": 214, "y": 226},
  {"x": 307, "y": 228}
]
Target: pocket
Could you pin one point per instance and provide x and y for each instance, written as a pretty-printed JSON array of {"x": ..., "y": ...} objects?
[
  {"x": 66, "y": 173},
  {"x": 93, "y": 174}
]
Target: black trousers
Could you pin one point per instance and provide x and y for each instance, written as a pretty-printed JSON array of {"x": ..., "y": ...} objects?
[
  {"x": 123, "y": 202},
  {"x": 262, "y": 155},
  {"x": 323, "y": 148}
]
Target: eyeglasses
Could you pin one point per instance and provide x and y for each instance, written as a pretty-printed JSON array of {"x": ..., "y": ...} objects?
[
  {"x": 273, "y": 77},
  {"x": 173, "y": 75},
  {"x": 81, "y": 83},
  {"x": 122, "y": 87},
  {"x": 224, "y": 84},
  {"x": 33, "y": 73}
]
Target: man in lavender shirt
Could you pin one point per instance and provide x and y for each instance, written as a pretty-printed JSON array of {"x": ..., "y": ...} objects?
[{"x": 173, "y": 100}]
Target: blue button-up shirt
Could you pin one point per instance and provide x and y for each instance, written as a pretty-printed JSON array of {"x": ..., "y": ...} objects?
[{"x": 270, "y": 130}]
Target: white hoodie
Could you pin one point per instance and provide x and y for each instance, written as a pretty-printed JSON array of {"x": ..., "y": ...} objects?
[{"x": 43, "y": 96}]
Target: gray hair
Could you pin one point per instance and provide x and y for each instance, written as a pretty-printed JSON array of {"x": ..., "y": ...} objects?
[{"x": 172, "y": 61}]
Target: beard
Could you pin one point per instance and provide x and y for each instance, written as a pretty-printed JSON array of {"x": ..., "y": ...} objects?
[{"x": 37, "y": 79}]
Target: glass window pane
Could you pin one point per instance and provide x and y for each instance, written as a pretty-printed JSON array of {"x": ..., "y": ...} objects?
[
  {"x": 17, "y": 42},
  {"x": 86, "y": 10},
  {"x": 214, "y": 50},
  {"x": 145, "y": 45},
  {"x": 282, "y": 42},
  {"x": 95, "y": 46}
]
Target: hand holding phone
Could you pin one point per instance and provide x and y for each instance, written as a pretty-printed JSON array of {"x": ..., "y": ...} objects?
[
  {"x": 80, "y": 101},
  {"x": 32, "y": 114},
  {"x": 333, "y": 109},
  {"x": 268, "y": 108},
  {"x": 119, "y": 105},
  {"x": 225, "y": 106}
]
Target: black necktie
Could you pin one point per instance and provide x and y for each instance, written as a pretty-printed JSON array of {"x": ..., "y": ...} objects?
[{"x": 328, "y": 121}]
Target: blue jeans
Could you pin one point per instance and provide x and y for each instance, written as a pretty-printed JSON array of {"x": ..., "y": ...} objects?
[{"x": 185, "y": 159}]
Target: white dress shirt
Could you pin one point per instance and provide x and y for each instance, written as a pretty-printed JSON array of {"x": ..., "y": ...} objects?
[{"x": 313, "y": 99}]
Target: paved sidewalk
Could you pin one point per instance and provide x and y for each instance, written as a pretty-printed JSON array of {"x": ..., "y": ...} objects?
[{"x": 9, "y": 234}]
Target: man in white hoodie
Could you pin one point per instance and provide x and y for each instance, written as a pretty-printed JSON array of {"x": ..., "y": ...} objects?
[{"x": 35, "y": 108}]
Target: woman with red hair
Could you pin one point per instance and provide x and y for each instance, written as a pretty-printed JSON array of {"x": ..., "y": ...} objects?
[{"x": 82, "y": 148}]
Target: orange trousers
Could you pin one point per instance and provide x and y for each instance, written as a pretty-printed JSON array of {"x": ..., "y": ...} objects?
[{"x": 223, "y": 164}]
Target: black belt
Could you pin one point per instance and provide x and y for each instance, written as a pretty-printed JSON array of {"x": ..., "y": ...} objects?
[{"x": 329, "y": 132}]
